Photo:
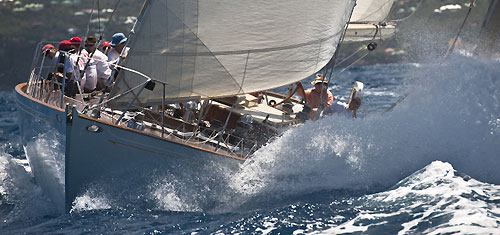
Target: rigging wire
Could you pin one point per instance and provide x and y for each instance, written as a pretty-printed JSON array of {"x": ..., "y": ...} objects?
[
  {"x": 132, "y": 31},
  {"x": 489, "y": 14},
  {"x": 450, "y": 50},
  {"x": 98, "y": 19},
  {"x": 100, "y": 35},
  {"x": 452, "y": 47},
  {"x": 80, "y": 47},
  {"x": 371, "y": 46}
]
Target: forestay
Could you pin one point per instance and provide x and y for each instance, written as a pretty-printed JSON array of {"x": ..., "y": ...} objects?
[
  {"x": 215, "y": 48},
  {"x": 371, "y": 10}
]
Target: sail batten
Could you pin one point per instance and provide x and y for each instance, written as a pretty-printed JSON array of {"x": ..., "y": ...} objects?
[{"x": 218, "y": 48}]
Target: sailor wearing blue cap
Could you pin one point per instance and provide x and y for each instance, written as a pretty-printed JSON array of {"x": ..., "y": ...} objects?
[
  {"x": 118, "y": 42},
  {"x": 117, "y": 39}
]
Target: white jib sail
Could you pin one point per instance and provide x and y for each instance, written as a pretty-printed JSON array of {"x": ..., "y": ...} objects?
[
  {"x": 215, "y": 48},
  {"x": 371, "y": 10}
]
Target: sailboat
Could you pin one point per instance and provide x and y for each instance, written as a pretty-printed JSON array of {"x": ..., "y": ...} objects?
[
  {"x": 368, "y": 21},
  {"x": 216, "y": 59}
]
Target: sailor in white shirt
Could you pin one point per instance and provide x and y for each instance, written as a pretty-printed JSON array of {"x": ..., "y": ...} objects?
[
  {"x": 79, "y": 60},
  {"x": 98, "y": 70}
]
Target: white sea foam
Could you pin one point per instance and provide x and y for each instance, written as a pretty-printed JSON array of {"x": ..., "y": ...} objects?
[
  {"x": 172, "y": 195},
  {"x": 438, "y": 199},
  {"x": 49, "y": 149},
  {"x": 381, "y": 93},
  {"x": 18, "y": 189},
  {"x": 90, "y": 201}
]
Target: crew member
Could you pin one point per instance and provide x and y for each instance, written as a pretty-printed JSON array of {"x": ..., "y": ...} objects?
[
  {"x": 79, "y": 59},
  {"x": 313, "y": 96},
  {"x": 98, "y": 71},
  {"x": 118, "y": 42},
  {"x": 106, "y": 47}
]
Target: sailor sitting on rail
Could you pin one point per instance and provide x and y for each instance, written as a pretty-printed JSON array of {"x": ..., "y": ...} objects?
[
  {"x": 52, "y": 53},
  {"x": 79, "y": 58},
  {"x": 105, "y": 48},
  {"x": 64, "y": 64},
  {"x": 62, "y": 61}
]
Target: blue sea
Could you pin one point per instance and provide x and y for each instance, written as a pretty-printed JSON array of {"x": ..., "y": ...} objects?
[{"x": 429, "y": 166}]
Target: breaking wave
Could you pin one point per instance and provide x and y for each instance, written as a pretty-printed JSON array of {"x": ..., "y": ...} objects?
[{"x": 434, "y": 200}]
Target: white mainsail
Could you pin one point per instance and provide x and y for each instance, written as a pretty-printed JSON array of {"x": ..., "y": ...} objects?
[{"x": 215, "y": 48}]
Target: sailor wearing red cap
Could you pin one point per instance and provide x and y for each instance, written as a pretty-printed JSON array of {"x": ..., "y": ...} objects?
[
  {"x": 49, "y": 51},
  {"x": 106, "y": 47},
  {"x": 64, "y": 61},
  {"x": 79, "y": 59}
]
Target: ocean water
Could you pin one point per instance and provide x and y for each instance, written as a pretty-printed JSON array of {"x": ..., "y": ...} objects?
[{"x": 430, "y": 166}]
